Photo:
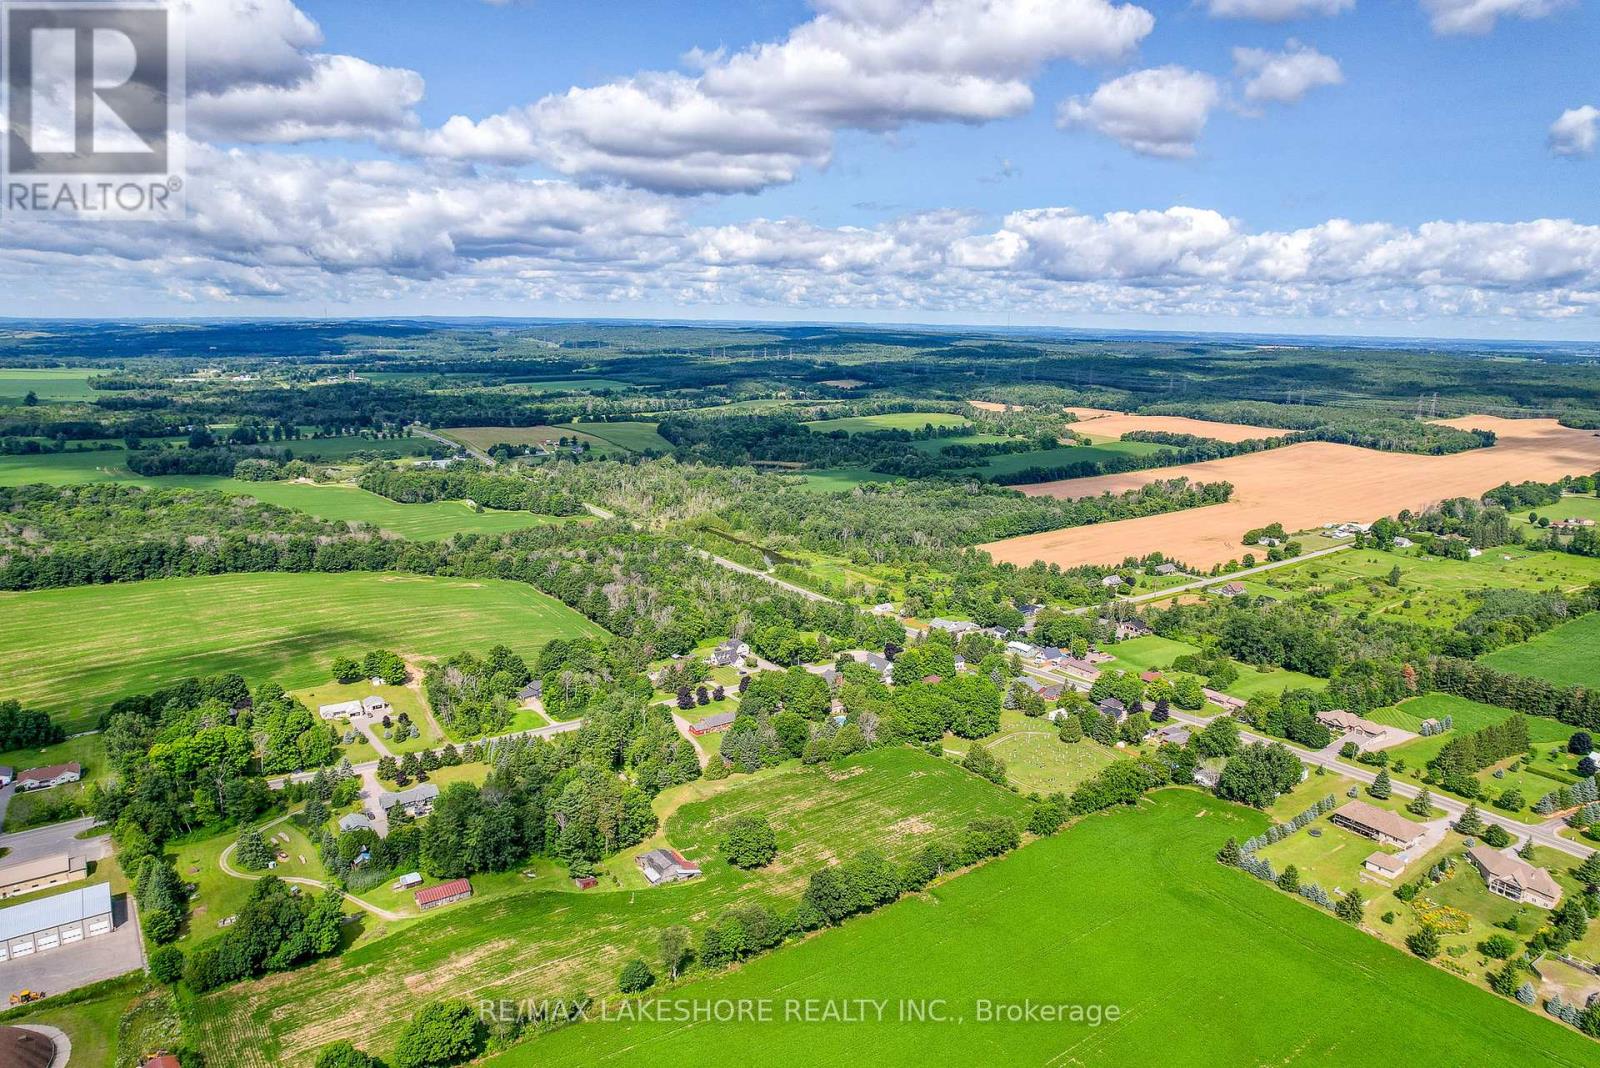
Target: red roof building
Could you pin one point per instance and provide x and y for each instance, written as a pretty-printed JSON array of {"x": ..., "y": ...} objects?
[{"x": 433, "y": 896}]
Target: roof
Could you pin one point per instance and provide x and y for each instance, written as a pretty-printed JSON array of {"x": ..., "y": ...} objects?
[
  {"x": 1175, "y": 733},
  {"x": 719, "y": 719},
  {"x": 1515, "y": 870},
  {"x": 533, "y": 689},
  {"x": 339, "y": 708},
  {"x": 1112, "y": 703},
  {"x": 40, "y": 868},
  {"x": 453, "y": 888},
  {"x": 1387, "y": 863},
  {"x": 352, "y": 820},
  {"x": 55, "y": 910},
  {"x": 1380, "y": 819},
  {"x": 22, "y": 1048},
  {"x": 1349, "y": 721},
  {"x": 51, "y": 771},
  {"x": 1151, "y": 676},
  {"x": 411, "y": 878},
  {"x": 1231, "y": 589},
  {"x": 667, "y": 859},
  {"x": 421, "y": 792}
]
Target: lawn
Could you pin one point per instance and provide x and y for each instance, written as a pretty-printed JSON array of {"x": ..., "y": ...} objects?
[
  {"x": 547, "y": 940},
  {"x": 400, "y": 698},
  {"x": 220, "y": 895},
  {"x": 71, "y": 468},
  {"x": 337, "y": 448},
  {"x": 866, "y": 424},
  {"x": 1568, "y": 655},
  {"x": 1036, "y": 759},
  {"x": 90, "y": 1024},
  {"x": 1205, "y": 966},
  {"x": 88, "y": 645},
  {"x": 634, "y": 437},
  {"x": 1573, "y": 507},
  {"x": 1151, "y": 651},
  {"x": 37, "y": 807},
  {"x": 47, "y": 383}
]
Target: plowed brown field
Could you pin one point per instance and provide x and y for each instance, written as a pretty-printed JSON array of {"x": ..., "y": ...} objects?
[{"x": 1303, "y": 486}]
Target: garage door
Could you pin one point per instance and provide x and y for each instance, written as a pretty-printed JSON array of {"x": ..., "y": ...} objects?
[
  {"x": 99, "y": 927},
  {"x": 48, "y": 940},
  {"x": 21, "y": 949},
  {"x": 71, "y": 934}
]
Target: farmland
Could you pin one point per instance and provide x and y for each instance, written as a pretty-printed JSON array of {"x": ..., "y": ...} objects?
[
  {"x": 866, "y": 424},
  {"x": 86, "y": 646},
  {"x": 1110, "y": 426},
  {"x": 632, "y": 437},
  {"x": 1568, "y": 655},
  {"x": 1302, "y": 486},
  {"x": 1045, "y": 925},
  {"x": 487, "y": 437},
  {"x": 1037, "y": 761},
  {"x": 46, "y": 383},
  {"x": 547, "y": 940}
]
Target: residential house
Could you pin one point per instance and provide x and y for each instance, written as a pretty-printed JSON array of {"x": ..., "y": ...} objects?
[
  {"x": 885, "y": 609},
  {"x": 1403, "y": 542},
  {"x": 720, "y": 721},
  {"x": 1083, "y": 668},
  {"x": 52, "y": 775},
  {"x": 997, "y": 632},
  {"x": 415, "y": 802},
  {"x": 1113, "y": 708},
  {"x": 432, "y": 897},
  {"x": 1207, "y": 777},
  {"x": 1111, "y": 581},
  {"x": 1352, "y": 726},
  {"x": 1388, "y": 865},
  {"x": 1163, "y": 570},
  {"x": 1020, "y": 648},
  {"x": 729, "y": 653},
  {"x": 1176, "y": 733},
  {"x": 1050, "y": 691},
  {"x": 1226, "y": 702},
  {"x": 666, "y": 866},
  {"x": 1231, "y": 589},
  {"x": 345, "y": 709},
  {"x": 374, "y": 706},
  {"x": 1379, "y": 824},
  {"x": 533, "y": 691},
  {"x": 881, "y": 664},
  {"x": 27, "y": 876},
  {"x": 1051, "y": 656},
  {"x": 355, "y": 821},
  {"x": 1131, "y": 628},
  {"x": 1512, "y": 877},
  {"x": 956, "y": 627}
]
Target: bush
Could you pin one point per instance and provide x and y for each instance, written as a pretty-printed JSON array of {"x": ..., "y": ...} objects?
[
  {"x": 749, "y": 843},
  {"x": 1496, "y": 836},
  {"x": 160, "y": 926},
  {"x": 342, "y": 1054},
  {"x": 166, "y": 964},
  {"x": 636, "y": 977},
  {"x": 1497, "y": 947},
  {"x": 441, "y": 1034},
  {"x": 1424, "y": 943}
]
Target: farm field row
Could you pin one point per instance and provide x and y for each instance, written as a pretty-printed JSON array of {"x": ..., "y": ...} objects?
[
  {"x": 1302, "y": 486},
  {"x": 1051, "y": 925},
  {"x": 86, "y": 646},
  {"x": 1568, "y": 655}
]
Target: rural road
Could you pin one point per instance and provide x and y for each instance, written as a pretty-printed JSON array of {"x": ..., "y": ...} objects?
[
  {"x": 55, "y": 838},
  {"x": 1217, "y": 580},
  {"x": 810, "y": 595},
  {"x": 1543, "y": 834},
  {"x": 229, "y": 869},
  {"x": 477, "y": 454},
  {"x": 559, "y": 727}
]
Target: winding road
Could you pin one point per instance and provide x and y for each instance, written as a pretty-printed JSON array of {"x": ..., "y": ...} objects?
[{"x": 229, "y": 869}]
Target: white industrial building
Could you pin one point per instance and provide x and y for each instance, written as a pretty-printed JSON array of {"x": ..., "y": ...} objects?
[{"x": 52, "y": 922}]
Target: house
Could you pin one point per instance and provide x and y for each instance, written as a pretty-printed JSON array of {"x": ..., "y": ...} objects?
[
  {"x": 720, "y": 721},
  {"x": 881, "y": 664},
  {"x": 1352, "y": 726},
  {"x": 46, "y": 777},
  {"x": 1176, "y": 733},
  {"x": 666, "y": 866},
  {"x": 408, "y": 880},
  {"x": 1163, "y": 570},
  {"x": 355, "y": 821},
  {"x": 1207, "y": 777},
  {"x": 1151, "y": 676},
  {"x": 433, "y": 897},
  {"x": 1379, "y": 824},
  {"x": 1079, "y": 667},
  {"x": 1388, "y": 865},
  {"x": 40, "y": 873},
  {"x": 1131, "y": 628},
  {"x": 961, "y": 663},
  {"x": 1231, "y": 589},
  {"x": 1028, "y": 610},
  {"x": 731, "y": 652},
  {"x": 1018, "y": 648},
  {"x": 1113, "y": 708},
  {"x": 338, "y": 709},
  {"x": 51, "y": 922},
  {"x": 1512, "y": 877},
  {"x": 956, "y": 627},
  {"x": 1050, "y": 692},
  {"x": 417, "y": 801},
  {"x": 532, "y": 691},
  {"x": 1403, "y": 543},
  {"x": 996, "y": 632},
  {"x": 1226, "y": 702},
  {"x": 1111, "y": 581},
  {"x": 1050, "y": 655},
  {"x": 885, "y": 609},
  {"x": 374, "y": 706}
]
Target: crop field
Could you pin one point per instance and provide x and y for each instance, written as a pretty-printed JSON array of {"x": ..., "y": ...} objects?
[
  {"x": 569, "y": 385},
  {"x": 866, "y": 424},
  {"x": 75, "y": 467},
  {"x": 1037, "y": 761},
  {"x": 634, "y": 437},
  {"x": 46, "y": 383},
  {"x": 1011, "y": 462},
  {"x": 337, "y": 448},
  {"x": 1111, "y": 426},
  {"x": 85, "y": 646},
  {"x": 540, "y": 943},
  {"x": 842, "y": 479},
  {"x": 1044, "y": 925},
  {"x": 487, "y": 437},
  {"x": 1302, "y": 486},
  {"x": 1568, "y": 655}
]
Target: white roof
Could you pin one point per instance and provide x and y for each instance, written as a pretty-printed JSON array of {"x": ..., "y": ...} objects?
[
  {"x": 339, "y": 708},
  {"x": 53, "y": 911}
]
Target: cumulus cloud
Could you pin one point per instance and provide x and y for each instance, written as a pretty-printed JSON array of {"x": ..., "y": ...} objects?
[
  {"x": 756, "y": 117},
  {"x": 1157, "y": 112},
  {"x": 1576, "y": 132},
  {"x": 1284, "y": 77},
  {"x": 1276, "y": 10},
  {"x": 1480, "y": 16}
]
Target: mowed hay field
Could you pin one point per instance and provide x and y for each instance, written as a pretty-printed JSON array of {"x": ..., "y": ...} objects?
[
  {"x": 487, "y": 437},
  {"x": 548, "y": 941},
  {"x": 1110, "y": 426},
  {"x": 72, "y": 651},
  {"x": 1206, "y": 966},
  {"x": 1568, "y": 655},
  {"x": 1302, "y": 486}
]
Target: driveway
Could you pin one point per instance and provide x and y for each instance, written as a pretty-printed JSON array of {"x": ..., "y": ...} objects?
[
  {"x": 56, "y": 838},
  {"x": 57, "y": 971}
]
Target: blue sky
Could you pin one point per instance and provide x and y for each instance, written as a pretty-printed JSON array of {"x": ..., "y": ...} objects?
[{"x": 1428, "y": 168}]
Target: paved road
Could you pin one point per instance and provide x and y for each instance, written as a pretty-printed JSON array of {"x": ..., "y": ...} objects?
[
  {"x": 56, "y": 838},
  {"x": 1543, "y": 834},
  {"x": 477, "y": 454},
  {"x": 810, "y": 595},
  {"x": 1217, "y": 580}
]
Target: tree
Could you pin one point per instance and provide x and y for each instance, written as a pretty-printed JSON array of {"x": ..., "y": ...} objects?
[
  {"x": 252, "y": 851},
  {"x": 749, "y": 843},
  {"x": 1218, "y": 738},
  {"x": 1381, "y": 787},
  {"x": 1470, "y": 822},
  {"x": 1071, "y": 729},
  {"x": 1589, "y": 871},
  {"x": 1496, "y": 836},
  {"x": 1421, "y": 805},
  {"x": 342, "y": 1054},
  {"x": 676, "y": 948},
  {"x": 636, "y": 977},
  {"x": 346, "y": 670},
  {"x": 1351, "y": 907},
  {"x": 1580, "y": 744},
  {"x": 985, "y": 764},
  {"x": 166, "y": 964},
  {"x": 441, "y": 1034},
  {"x": 1230, "y": 854},
  {"x": 1510, "y": 799},
  {"x": 1424, "y": 943},
  {"x": 1289, "y": 881},
  {"x": 1259, "y": 773},
  {"x": 1497, "y": 947}
]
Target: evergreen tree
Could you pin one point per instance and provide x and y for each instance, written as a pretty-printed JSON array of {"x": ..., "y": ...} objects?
[
  {"x": 1380, "y": 787},
  {"x": 1231, "y": 855},
  {"x": 252, "y": 851},
  {"x": 1422, "y": 804},
  {"x": 1351, "y": 907},
  {"x": 1470, "y": 822}
]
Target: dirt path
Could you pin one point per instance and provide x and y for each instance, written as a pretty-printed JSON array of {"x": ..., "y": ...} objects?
[
  {"x": 229, "y": 869},
  {"x": 812, "y": 595},
  {"x": 689, "y": 736},
  {"x": 414, "y": 666}
]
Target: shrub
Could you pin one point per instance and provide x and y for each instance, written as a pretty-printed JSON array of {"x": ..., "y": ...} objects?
[
  {"x": 636, "y": 977},
  {"x": 441, "y": 1034},
  {"x": 1424, "y": 943},
  {"x": 166, "y": 964},
  {"x": 1497, "y": 947},
  {"x": 750, "y": 843},
  {"x": 342, "y": 1054}
]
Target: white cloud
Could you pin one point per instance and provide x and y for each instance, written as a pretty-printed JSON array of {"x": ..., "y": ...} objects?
[
  {"x": 1576, "y": 132},
  {"x": 1157, "y": 112},
  {"x": 339, "y": 97},
  {"x": 1276, "y": 10},
  {"x": 1284, "y": 77},
  {"x": 756, "y": 117},
  {"x": 1480, "y": 16}
]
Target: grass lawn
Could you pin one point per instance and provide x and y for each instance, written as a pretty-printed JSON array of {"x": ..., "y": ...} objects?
[
  {"x": 538, "y": 938},
  {"x": 1151, "y": 651},
  {"x": 47, "y": 383},
  {"x": 337, "y": 448},
  {"x": 866, "y": 424},
  {"x": 1211, "y": 967},
  {"x": 220, "y": 895},
  {"x": 400, "y": 698},
  {"x": 1012, "y": 462},
  {"x": 1568, "y": 655},
  {"x": 1252, "y": 681},
  {"x": 634, "y": 437},
  {"x": 90, "y": 1024},
  {"x": 88, "y": 645},
  {"x": 1574, "y": 507},
  {"x": 35, "y": 808},
  {"x": 487, "y": 437},
  {"x": 1036, "y": 759}
]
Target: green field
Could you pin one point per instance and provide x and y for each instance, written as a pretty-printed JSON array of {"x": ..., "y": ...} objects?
[
  {"x": 47, "y": 383},
  {"x": 1205, "y": 965},
  {"x": 634, "y": 437},
  {"x": 842, "y": 479},
  {"x": 1566, "y": 508},
  {"x": 337, "y": 448},
  {"x": 1012, "y": 462},
  {"x": 569, "y": 385},
  {"x": 1568, "y": 655},
  {"x": 30, "y": 809},
  {"x": 1036, "y": 759},
  {"x": 866, "y": 424},
  {"x": 546, "y": 940},
  {"x": 85, "y": 646},
  {"x": 70, "y": 468}
]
